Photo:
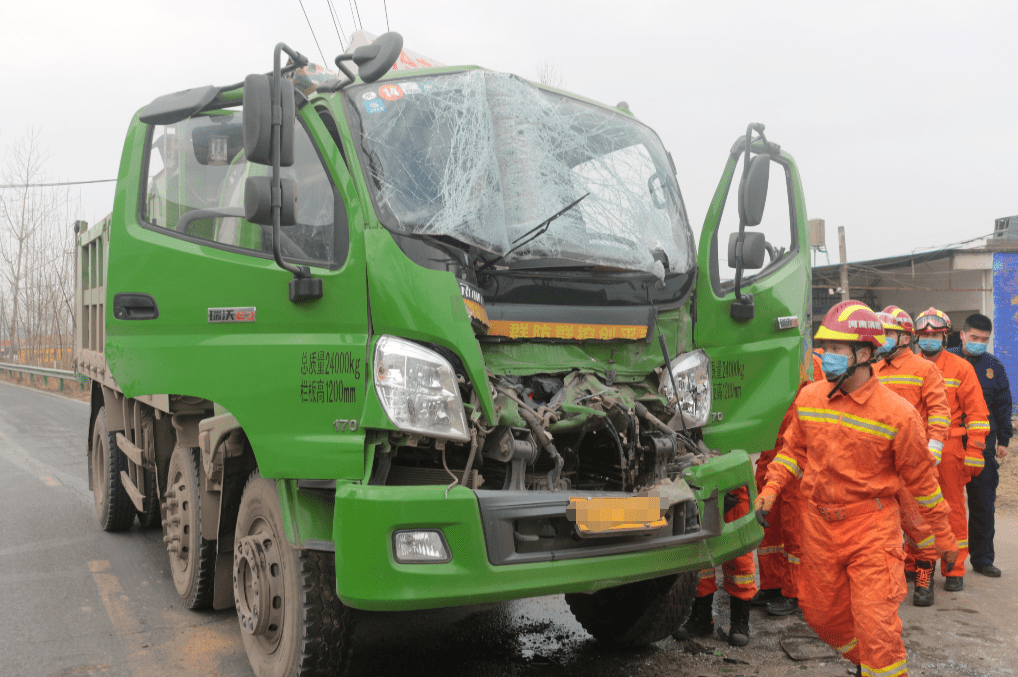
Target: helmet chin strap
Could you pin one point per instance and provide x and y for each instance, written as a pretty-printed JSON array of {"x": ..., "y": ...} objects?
[
  {"x": 851, "y": 370},
  {"x": 894, "y": 353}
]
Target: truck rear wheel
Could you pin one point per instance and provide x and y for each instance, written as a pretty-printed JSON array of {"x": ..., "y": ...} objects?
[
  {"x": 151, "y": 516},
  {"x": 192, "y": 558},
  {"x": 113, "y": 506},
  {"x": 292, "y": 621},
  {"x": 636, "y": 614}
]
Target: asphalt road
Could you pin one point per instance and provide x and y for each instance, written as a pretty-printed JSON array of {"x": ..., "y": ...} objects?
[{"x": 76, "y": 601}]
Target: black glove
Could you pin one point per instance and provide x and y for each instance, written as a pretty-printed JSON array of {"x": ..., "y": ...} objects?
[{"x": 761, "y": 514}]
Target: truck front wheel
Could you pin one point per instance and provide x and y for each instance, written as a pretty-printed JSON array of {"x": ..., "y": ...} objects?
[
  {"x": 638, "y": 613},
  {"x": 113, "y": 506},
  {"x": 291, "y": 619},
  {"x": 192, "y": 558}
]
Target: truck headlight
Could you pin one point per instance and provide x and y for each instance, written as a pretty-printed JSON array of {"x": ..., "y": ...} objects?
[
  {"x": 417, "y": 388},
  {"x": 692, "y": 378}
]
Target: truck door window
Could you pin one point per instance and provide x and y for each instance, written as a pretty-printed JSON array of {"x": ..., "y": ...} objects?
[
  {"x": 199, "y": 163},
  {"x": 778, "y": 227}
]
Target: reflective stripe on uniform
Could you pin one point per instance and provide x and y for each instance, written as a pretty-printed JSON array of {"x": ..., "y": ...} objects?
[
  {"x": 963, "y": 543},
  {"x": 937, "y": 454},
  {"x": 848, "y": 647},
  {"x": 741, "y": 579},
  {"x": 901, "y": 379},
  {"x": 848, "y": 420},
  {"x": 706, "y": 573},
  {"x": 789, "y": 463},
  {"x": 770, "y": 550},
  {"x": 940, "y": 420},
  {"x": 899, "y": 668},
  {"x": 792, "y": 559},
  {"x": 952, "y": 382},
  {"x": 975, "y": 462},
  {"x": 978, "y": 425},
  {"x": 926, "y": 542},
  {"x": 935, "y": 445},
  {"x": 930, "y": 500}
]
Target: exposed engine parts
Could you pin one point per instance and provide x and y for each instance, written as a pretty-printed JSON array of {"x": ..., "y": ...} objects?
[{"x": 557, "y": 433}]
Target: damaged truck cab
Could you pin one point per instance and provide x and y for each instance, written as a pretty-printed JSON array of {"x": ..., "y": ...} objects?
[{"x": 441, "y": 338}]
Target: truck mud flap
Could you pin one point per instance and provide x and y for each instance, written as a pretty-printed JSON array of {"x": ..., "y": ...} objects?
[{"x": 521, "y": 527}]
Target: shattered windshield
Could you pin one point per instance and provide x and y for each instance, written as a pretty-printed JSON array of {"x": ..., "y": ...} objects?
[{"x": 485, "y": 158}]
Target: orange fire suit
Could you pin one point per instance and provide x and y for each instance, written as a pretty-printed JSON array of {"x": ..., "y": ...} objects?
[
  {"x": 740, "y": 573},
  {"x": 780, "y": 552},
  {"x": 919, "y": 382},
  {"x": 961, "y": 460},
  {"x": 852, "y": 453}
]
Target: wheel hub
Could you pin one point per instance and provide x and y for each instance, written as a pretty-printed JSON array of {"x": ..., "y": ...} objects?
[
  {"x": 176, "y": 543},
  {"x": 257, "y": 587}
]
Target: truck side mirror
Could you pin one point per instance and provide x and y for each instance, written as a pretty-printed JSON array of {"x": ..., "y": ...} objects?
[
  {"x": 374, "y": 60},
  {"x": 754, "y": 248},
  {"x": 753, "y": 191},
  {"x": 258, "y": 121},
  {"x": 258, "y": 201}
]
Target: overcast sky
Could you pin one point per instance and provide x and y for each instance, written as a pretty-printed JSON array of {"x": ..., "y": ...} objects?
[{"x": 901, "y": 115}]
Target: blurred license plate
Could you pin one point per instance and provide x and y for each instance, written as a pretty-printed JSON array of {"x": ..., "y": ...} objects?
[{"x": 604, "y": 516}]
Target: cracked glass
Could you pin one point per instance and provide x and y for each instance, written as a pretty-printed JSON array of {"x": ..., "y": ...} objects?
[{"x": 485, "y": 158}]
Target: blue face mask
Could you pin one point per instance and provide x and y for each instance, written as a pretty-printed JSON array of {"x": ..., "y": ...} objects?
[
  {"x": 930, "y": 345},
  {"x": 888, "y": 346},
  {"x": 834, "y": 365},
  {"x": 973, "y": 348}
]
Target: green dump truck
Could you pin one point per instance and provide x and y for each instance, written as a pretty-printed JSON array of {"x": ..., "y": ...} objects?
[{"x": 432, "y": 337}]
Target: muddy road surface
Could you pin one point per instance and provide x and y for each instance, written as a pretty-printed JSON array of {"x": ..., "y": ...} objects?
[{"x": 77, "y": 601}]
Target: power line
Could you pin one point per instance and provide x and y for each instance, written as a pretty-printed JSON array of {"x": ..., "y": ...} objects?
[
  {"x": 353, "y": 16},
  {"x": 386, "y": 15},
  {"x": 46, "y": 185},
  {"x": 312, "y": 30},
  {"x": 335, "y": 22},
  {"x": 359, "y": 22}
]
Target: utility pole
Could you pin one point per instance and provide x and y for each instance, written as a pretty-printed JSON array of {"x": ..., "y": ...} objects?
[{"x": 844, "y": 262}]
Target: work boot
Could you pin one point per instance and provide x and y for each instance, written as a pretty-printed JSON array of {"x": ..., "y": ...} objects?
[
  {"x": 700, "y": 622},
  {"x": 738, "y": 634},
  {"x": 786, "y": 606},
  {"x": 954, "y": 583},
  {"x": 923, "y": 595},
  {"x": 984, "y": 569},
  {"x": 909, "y": 576},
  {"x": 858, "y": 671},
  {"x": 764, "y": 596}
]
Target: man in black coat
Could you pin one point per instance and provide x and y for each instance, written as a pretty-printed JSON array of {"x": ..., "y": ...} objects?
[{"x": 982, "y": 489}]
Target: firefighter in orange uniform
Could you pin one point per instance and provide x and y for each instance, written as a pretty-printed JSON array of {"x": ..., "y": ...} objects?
[
  {"x": 853, "y": 443},
  {"x": 740, "y": 584},
  {"x": 970, "y": 423},
  {"x": 919, "y": 382},
  {"x": 780, "y": 552}
]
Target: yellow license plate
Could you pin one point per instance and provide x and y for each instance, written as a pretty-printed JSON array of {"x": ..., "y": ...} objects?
[{"x": 608, "y": 516}]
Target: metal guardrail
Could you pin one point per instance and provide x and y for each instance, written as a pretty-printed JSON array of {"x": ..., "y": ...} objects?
[{"x": 47, "y": 374}]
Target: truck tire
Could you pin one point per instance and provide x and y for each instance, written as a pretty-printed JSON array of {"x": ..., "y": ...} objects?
[
  {"x": 192, "y": 558},
  {"x": 112, "y": 504},
  {"x": 292, "y": 621},
  {"x": 636, "y": 614},
  {"x": 150, "y": 518}
]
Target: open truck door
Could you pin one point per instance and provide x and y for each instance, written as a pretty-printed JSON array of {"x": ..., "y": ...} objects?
[{"x": 753, "y": 295}]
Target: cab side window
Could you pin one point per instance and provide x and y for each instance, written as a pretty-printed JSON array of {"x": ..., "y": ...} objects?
[
  {"x": 778, "y": 226},
  {"x": 195, "y": 189}
]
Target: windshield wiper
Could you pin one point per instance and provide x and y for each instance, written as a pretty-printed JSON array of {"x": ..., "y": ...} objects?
[{"x": 532, "y": 234}]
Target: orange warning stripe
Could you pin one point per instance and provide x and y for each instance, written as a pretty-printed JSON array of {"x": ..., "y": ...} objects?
[
  {"x": 477, "y": 312},
  {"x": 566, "y": 331}
]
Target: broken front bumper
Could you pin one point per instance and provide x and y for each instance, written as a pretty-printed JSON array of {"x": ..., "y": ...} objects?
[{"x": 510, "y": 545}]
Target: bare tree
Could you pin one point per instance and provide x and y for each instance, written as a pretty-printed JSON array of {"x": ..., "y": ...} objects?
[
  {"x": 548, "y": 74},
  {"x": 36, "y": 263}
]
